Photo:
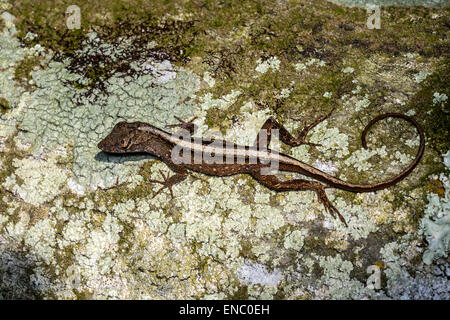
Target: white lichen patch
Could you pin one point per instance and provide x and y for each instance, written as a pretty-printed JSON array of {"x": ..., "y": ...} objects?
[
  {"x": 11, "y": 52},
  {"x": 273, "y": 64},
  {"x": 209, "y": 79},
  {"x": 327, "y": 95},
  {"x": 332, "y": 142},
  {"x": 245, "y": 131},
  {"x": 348, "y": 70},
  {"x": 255, "y": 273},
  {"x": 82, "y": 224},
  {"x": 42, "y": 180},
  {"x": 316, "y": 62},
  {"x": 403, "y": 285},
  {"x": 59, "y": 113},
  {"x": 358, "y": 104},
  {"x": 436, "y": 223},
  {"x": 421, "y": 76},
  {"x": 163, "y": 70},
  {"x": 300, "y": 66},
  {"x": 337, "y": 280},
  {"x": 327, "y": 167},
  {"x": 439, "y": 97},
  {"x": 294, "y": 240}
]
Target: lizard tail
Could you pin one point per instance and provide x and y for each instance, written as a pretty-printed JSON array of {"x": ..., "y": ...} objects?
[{"x": 381, "y": 185}]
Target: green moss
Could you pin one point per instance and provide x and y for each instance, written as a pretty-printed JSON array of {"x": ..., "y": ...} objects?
[
  {"x": 435, "y": 116},
  {"x": 83, "y": 294},
  {"x": 245, "y": 250},
  {"x": 112, "y": 20},
  {"x": 127, "y": 238},
  {"x": 7, "y": 167},
  {"x": 240, "y": 294},
  {"x": 2, "y": 25},
  {"x": 22, "y": 72},
  {"x": 214, "y": 34},
  {"x": 215, "y": 117},
  {"x": 4, "y": 105},
  {"x": 96, "y": 74},
  {"x": 275, "y": 29}
]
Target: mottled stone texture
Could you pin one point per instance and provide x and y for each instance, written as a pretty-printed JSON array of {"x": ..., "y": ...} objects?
[{"x": 76, "y": 223}]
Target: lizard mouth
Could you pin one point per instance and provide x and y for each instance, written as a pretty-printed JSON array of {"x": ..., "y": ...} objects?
[
  {"x": 104, "y": 146},
  {"x": 101, "y": 145}
]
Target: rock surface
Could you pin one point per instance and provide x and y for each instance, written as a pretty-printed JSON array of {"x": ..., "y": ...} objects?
[{"x": 76, "y": 223}]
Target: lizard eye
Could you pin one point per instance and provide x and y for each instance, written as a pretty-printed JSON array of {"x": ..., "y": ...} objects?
[{"x": 124, "y": 143}]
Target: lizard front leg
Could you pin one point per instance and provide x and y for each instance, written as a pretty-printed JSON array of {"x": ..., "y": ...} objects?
[
  {"x": 285, "y": 136},
  {"x": 272, "y": 182},
  {"x": 169, "y": 181}
]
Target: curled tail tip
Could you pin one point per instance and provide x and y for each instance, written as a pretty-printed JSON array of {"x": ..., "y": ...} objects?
[{"x": 389, "y": 115}]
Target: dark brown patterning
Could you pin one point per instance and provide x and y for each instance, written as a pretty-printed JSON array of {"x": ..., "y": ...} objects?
[{"x": 143, "y": 137}]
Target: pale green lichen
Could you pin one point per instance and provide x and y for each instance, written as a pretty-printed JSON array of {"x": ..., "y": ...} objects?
[
  {"x": 363, "y": 3},
  {"x": 338, "y": 281},
  {"x": 56, "y": 116},
  {"x": 224, "y": 102},
  {"x": 332, "y": 141},
  {"x": 422, "y": 284},
  {"x": 219, "y": 237},
  {"x": 42, "y": 180},
  {"x": 436, "y": 223},
  {"x": 421, "y": 76},
  {"x": 11, "y": 53},
  {"x": 273, "y": 63},
  {"x": 294, "y": 240},
  {"x": 245, "y": 131},
  {"x": 358, "y": 217}
]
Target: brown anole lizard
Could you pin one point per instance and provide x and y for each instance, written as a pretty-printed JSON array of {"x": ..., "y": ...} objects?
[{"x": 138, "y": 137}]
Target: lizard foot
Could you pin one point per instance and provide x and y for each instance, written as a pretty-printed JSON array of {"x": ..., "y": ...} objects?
[
  {"x": 189, "y": 126},
  {"x": 302, "y": 136},
  {"x": 329, "y": 206},
  {"x": 165, "y": 184}
]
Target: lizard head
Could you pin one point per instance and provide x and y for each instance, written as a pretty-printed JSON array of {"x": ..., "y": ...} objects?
[{"x": 125, "y": 137}]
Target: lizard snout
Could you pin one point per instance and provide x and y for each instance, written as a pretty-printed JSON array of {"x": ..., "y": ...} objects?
[
  {"x": 105, "y": 145},
  {"x": 102, "y": 145}
]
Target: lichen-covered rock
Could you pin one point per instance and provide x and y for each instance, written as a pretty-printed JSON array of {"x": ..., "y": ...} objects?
[
  {"x": 76, "y": 223},
  {"x": 436, "y": 223}
]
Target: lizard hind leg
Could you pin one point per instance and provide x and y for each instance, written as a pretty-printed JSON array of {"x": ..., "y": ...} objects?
[
  {"x": 272, "y": 182},
  {"x": 322, "y": 196},
  {"x": 262, "y": 140}
]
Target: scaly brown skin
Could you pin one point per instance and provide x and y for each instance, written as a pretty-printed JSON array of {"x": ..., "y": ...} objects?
[{"x": 143, "y": 137}]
